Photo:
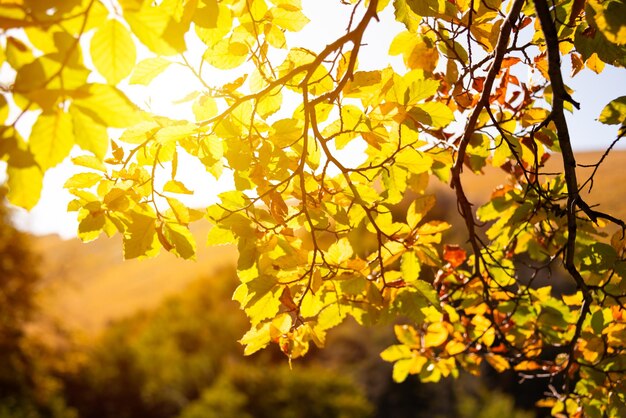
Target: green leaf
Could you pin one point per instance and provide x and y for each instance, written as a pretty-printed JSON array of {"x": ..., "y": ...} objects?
[
  {"x": 615, "y": 112},
  {"x": 426, "y": 289},
  {"x": 610, "y": 18}
]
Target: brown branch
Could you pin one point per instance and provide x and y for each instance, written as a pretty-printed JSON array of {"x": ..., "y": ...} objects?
[
  {"x": 465, "y": 206},
  {"x": 569, "y": 166}
]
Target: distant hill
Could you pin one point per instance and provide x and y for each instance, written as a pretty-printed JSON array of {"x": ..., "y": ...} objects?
[
  {"x": 87, "y": 285},
  {"x": 609, "y": 186}
]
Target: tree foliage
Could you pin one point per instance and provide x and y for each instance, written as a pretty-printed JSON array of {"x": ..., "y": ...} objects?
[
  {"x": 27, "y": 385},
  {"x": 320, "y": 236},
  {"x": 182, "y": 360}
]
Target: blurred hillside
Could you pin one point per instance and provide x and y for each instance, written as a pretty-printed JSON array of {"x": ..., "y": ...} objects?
[{"x": 89, "y": 285}]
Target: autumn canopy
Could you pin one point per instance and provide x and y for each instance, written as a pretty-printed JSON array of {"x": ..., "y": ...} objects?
[{"x": 325, "y": 234}]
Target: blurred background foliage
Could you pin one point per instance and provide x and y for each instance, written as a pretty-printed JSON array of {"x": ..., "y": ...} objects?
[{"x": 182, "y": 360}]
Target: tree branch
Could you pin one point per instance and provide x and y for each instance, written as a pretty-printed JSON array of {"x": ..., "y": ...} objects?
[
  {"x": 569, "y": 164},
  {"x": 465, "y": 206}
]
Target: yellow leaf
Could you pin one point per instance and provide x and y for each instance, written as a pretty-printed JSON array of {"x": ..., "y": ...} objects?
[
  {"x": 74, "y": 22},
  {"x": 438, "y": 115},
  {"x": 113, "y": 51},
  {"x": 183, "y": 242},
  {"x": 82, "y": 180},
  {"x": 285, "y": 132},
  {"x": 90, "y": 225},
  {"x": 415, "y": 161},
  {"x": 175, "y": 132},
  {"x": 17, "y": 53},
  {"x": 204, "y": 107},
  {"x": 264, "y": 299},
  {"x": 291, "y": 20},
  {"x": 280, "y": 325},
  {"x": 610, "y": 17},
  {"x": 156, "y": 30},
  {"x": 497, "y": 362},
  {"x": 339, "y": 251},
  {"x": 89, "y": 134},
  {"x": 139, "y": 133},
  {"x": 455, "y": 347},
  {"x": 226, "y": 54},
  {"x": 107, "y": 105},
  {"x": 595, "y": 64},
  {"x": 436, "y": 334},
  {"x": 573, "y": 300},
  {"x": 140, "y": 238},
  {"x": 89, "y": 161},
  {"x": 52, "y": 138},
  {"x": 270, "y": 103},
  {"x": 44, "y": 78},
  {"x": 402, "y": 368},
  {"x": 591, "y": 348},
  {"x": 421, "y": 89},
  {"x": 24, "y": 186},
  {"x": 416, "y": 51},
  {"x": 418, "y": 208},
  {"x": 422, "y": 56},
  {"x": 174, "y": 186},
  {"x": 4, "y": 110},
  {"x": 148, "y": 69},
  {"x": 396, "y": 352},
  {"x": 410, "y": 267},
  {"x": 256, "y": 338},
  {"x": 179, "y": 210},
  {"x": 219, "y": 236},
  {"x": 42, "y": 38}
]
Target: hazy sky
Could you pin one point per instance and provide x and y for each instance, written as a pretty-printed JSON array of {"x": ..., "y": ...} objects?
[{"x": 327, "y": 22}]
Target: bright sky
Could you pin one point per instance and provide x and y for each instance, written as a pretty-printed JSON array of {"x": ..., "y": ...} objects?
[{"x": 328, "y": 21}]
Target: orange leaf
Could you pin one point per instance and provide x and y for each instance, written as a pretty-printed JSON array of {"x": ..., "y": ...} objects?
[{"x": 454, "y": 255}]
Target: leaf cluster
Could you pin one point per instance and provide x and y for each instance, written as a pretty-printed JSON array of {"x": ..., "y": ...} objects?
[{"x": 322, "y": 236}]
